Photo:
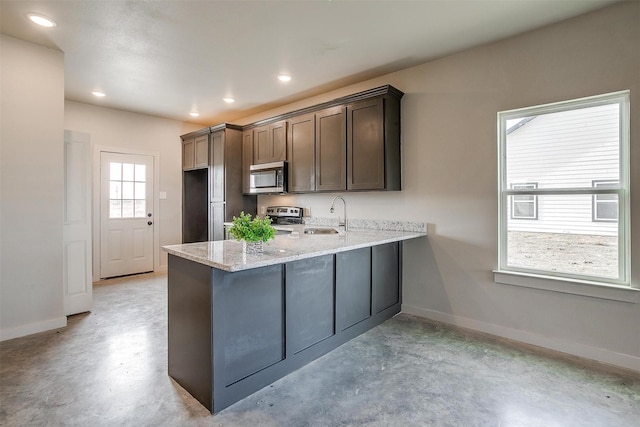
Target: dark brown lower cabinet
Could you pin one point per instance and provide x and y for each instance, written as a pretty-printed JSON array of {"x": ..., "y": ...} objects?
[{"x": 232, "y": 333}]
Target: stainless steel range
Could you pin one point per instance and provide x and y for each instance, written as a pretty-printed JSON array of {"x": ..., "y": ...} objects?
[
  {"x": 285, "y": 215},
  {"x": 280, "y": 215}
]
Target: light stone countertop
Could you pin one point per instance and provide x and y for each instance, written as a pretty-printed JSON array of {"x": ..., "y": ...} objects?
[{"x": 228, "y": 255}]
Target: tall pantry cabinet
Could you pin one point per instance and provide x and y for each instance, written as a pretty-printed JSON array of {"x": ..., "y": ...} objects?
[{"x": 212, "y": 191}]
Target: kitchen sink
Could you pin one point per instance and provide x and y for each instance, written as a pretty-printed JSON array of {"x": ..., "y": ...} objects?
[{"x": 320, "y": 231}]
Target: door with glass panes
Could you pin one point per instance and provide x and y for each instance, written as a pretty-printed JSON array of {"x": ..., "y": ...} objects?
[{"x": 126, "y": 220}]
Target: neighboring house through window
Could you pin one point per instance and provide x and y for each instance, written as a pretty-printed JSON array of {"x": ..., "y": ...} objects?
[{"x": 565, "y": 166}]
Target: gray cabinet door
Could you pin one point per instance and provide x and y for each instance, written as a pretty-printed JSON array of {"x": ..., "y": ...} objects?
[
  {"x": 247, "y": 159},
  {"x": 353, "y": 287},
  {"x": 365, "y": 145},
  {"x": 301, "y": 154},
  {"x": 385, "y": 276},
  {"x": 251, "y": 320},
  {"x": 190, "y": 329},
  {"x": 309, "y": 302},
  {"x": 331, "y": 149}
]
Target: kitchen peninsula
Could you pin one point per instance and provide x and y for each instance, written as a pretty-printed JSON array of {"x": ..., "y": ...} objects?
[{"x": 238, "y": 322}]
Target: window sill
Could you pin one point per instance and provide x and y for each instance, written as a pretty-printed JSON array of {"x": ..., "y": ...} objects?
[{"x": 568, "y": 286}]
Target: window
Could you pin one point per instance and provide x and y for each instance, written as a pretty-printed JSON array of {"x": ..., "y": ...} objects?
[
  {"x": 127, "y": 190},
  {"x": 605, "y": 206},
  {"x": 566, "y": 166},
  {"x": 524, "y": 206}
]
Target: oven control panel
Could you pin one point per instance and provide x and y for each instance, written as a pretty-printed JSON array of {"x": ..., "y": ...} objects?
[{"x": 284, "y": 211}]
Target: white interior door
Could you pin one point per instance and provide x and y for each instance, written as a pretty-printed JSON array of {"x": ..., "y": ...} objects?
[
  {"x": 78, "y": 290},
  {"x": 126, "y": 218}
]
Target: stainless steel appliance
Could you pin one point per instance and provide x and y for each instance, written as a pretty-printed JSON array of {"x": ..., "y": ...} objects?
[
  {"x": 280, "y": 215},
  {"x": 285, "y": 215},
  {"x": 268, "y": 178}
]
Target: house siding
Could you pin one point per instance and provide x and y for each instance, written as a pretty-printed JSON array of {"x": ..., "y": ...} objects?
[{"x": 570, "y": 149}]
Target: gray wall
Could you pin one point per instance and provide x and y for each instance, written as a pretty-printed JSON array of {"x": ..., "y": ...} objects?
[
  {"x": 31, "y": 188},
  {"x": 33, "y": 118},
  {"x": 450, "y": 180}
]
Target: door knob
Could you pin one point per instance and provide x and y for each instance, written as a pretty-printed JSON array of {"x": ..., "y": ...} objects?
[{"x": 149, "y": 222}]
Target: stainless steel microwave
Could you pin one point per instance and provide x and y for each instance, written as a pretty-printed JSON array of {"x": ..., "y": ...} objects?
[{"x": 268, "y": 178}]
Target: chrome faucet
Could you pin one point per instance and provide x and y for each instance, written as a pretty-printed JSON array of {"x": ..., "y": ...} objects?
[{"x": 346, "y": 227}]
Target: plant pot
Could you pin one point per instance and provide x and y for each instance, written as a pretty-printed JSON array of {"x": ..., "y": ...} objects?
[{"x": 252, "y": 248}]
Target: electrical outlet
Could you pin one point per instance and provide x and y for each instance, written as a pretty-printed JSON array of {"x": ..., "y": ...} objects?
[{"x": 263, "y": 210}]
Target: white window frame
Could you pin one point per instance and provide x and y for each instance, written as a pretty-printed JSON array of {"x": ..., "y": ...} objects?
[
  {"x": 619, "y": 289},
  {"x": 596, "y": 201},
  {"x": 534, "y": 200}
]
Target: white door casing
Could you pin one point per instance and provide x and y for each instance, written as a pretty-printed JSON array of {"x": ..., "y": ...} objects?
[
  {"x": 126, "y": 214},
  {"x": 77, "y": 265}
]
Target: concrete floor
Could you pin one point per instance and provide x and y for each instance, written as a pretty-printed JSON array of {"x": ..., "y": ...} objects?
[{"x": 109, "y": 367}]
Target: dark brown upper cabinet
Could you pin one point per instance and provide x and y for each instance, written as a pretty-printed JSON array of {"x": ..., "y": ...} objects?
[
  {"x": 317, "y": 151},
  {"x": 348, "y": 144},
  {"x": 301, "y": 154},
  {"x": 373, "y": 144},
  {"x": 195, "y": 152},
  {"x": 365, "y": 145},
  {"x": 331, "y": 149},
  {"x": 270, "y": 143},
  {"x": 353, "y": 144}
]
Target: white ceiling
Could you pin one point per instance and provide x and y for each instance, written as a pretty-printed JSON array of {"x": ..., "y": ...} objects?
[{"x": 165, "y": 58}]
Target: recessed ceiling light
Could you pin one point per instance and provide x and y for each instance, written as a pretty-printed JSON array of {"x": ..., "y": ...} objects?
[
  {"x": 41, "y": 20},
  {"x": 194, "y": 114},
  {"x": 228, "y": 100},
  {"x": 98, "y": 93},
  {"x": 284, "y": 77}
]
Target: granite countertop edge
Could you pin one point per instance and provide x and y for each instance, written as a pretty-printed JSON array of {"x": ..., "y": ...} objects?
[{"x": 227, "y": 255}]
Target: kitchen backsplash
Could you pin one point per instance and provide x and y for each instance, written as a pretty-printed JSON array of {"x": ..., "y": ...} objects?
[{"x": 369, "y": 224}]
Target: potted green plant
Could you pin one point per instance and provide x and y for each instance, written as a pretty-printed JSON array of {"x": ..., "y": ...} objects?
[{"x": 252, "y": 232}]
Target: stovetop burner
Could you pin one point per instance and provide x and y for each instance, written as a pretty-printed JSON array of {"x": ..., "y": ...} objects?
[{"x": 283, "y": 215}]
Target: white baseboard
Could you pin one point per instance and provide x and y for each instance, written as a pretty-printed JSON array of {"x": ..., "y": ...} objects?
[
  {"x": 609, "y": 357},
  {"x": 161, "y": 268},
  {"x": 33, "y": 328}
]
